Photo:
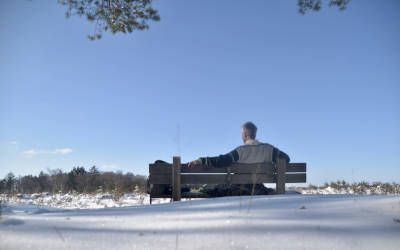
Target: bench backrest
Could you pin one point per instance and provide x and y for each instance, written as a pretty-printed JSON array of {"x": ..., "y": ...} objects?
[{"x": 161, "y": 173}]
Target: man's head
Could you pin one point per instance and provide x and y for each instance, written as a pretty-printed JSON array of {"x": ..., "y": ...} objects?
[{"x": 249, "y": 131}]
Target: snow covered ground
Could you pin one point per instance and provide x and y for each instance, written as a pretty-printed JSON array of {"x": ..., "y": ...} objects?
[
  {"x": 81, "y": 201},
  {"x": 107, "y": 200},
  {"x": 357, "y": 190},
  {"x": 260, "y": 222}
]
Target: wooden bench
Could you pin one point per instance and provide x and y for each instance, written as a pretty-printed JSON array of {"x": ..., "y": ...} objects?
[{"x": 177, "y": 174}]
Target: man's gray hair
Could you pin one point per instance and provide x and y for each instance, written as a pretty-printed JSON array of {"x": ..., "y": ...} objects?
[{"x": 251, "y": 129}]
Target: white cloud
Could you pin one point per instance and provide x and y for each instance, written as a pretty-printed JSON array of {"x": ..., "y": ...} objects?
[
  {"x": 58, "y": 151},
  {"x": 30, "y": 152},
  {"x": 13, "y": 142},
  {"x": 63, "y": 151}
]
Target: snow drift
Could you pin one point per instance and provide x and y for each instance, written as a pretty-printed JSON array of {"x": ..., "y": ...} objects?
[{"x": 260, "y": 222}]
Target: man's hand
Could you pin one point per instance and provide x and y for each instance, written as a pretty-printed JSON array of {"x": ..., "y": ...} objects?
[{"x": 194, "y": 163}]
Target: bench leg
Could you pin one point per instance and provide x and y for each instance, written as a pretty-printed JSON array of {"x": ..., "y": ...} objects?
[
  {"x": 176, "y": 178},
  {"x": 281, "y": 178}
]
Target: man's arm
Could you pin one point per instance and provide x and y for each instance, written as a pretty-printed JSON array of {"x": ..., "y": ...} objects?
[
  {"x": 277, "y": 152},
  {"x": 217, "y": 161}
]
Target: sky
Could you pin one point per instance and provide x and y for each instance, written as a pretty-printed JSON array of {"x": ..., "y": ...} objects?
[{"x": 323, "y": 87}]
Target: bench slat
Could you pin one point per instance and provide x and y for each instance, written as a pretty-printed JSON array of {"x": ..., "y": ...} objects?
[
  {"x": 235, "y": 179},
  {"x": 160, "y": 168},
  {"x": 264, "y": 168},
  {"x": 222, "y": 178},
  {"x": 296, "y": 178},
  {"x": 214, "y": 178},
  {"x": 296, "y": 167}
]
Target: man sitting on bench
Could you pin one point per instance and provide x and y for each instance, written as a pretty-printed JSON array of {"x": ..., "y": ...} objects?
[{"x": 252, "y": 151}]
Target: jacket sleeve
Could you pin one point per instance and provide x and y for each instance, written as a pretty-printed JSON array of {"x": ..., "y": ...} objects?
[
  {"x": 221, "y": 160},
  {"x": 277, "y": 153}
]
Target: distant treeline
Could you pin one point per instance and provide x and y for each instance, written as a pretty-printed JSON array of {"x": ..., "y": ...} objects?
[
  {"x": 77, "y": 180},
  {"x": 362, "y": 187}
]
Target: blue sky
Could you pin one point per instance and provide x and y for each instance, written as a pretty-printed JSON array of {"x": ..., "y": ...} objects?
[{"x": 323, "y": 87}]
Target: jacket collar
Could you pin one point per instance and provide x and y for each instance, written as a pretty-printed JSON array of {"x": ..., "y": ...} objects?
[{"x": 251, "y": 142}]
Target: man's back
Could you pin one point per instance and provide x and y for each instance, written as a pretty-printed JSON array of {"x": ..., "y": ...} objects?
[{"x": 255, "y": 152}]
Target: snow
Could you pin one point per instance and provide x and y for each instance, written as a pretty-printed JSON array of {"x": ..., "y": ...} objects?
[
  {"x": 358, "y": 190},
  {"x": 259, "y": 222},
  {"x": 105, "y": 200},
  {"x": 82, "y": 201}
]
